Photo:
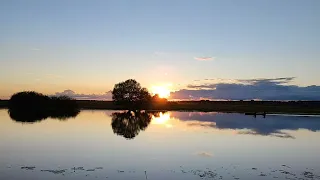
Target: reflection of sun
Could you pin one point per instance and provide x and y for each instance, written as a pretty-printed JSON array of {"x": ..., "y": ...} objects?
[
  {"x": 162, "y": 119},
  {"x": 162, "y": 91}
]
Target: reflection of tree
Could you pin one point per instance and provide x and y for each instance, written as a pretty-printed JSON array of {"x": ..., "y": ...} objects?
[{"x": 129, "y": 124}]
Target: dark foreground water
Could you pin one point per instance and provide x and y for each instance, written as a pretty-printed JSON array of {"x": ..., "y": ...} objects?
[{"x": 157, "y": 146}]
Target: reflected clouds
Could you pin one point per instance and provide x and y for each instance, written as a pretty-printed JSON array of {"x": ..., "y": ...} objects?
[{"x": 270, "y": 126}]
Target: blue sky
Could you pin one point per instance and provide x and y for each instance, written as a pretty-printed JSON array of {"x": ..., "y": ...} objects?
[{"x": 88, "y": 46}]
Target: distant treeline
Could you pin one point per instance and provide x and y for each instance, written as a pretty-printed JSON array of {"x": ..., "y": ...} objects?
[{"x": 299, "y": 107}]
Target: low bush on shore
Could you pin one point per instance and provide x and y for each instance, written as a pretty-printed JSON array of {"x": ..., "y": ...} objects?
[{"x": 30, "y": 106}]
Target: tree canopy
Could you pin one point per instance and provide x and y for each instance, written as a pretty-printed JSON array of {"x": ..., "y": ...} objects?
[{"x": 130, "y": 94}]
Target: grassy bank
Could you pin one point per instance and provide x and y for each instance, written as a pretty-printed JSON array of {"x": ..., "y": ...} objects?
[{"x": 299, "y": 107}]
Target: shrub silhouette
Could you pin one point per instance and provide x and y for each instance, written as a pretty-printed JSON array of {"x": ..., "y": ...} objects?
[
  {"x": 31, "y": 107},
  {"x": 129, "y": 124},
  {"x": 131, "y": 95},
  {"x": 63, "y": 107},
  {"x": 28, "y": 101}
]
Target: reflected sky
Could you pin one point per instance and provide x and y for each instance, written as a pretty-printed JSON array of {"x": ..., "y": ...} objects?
[{"x": 173, "y": 145}]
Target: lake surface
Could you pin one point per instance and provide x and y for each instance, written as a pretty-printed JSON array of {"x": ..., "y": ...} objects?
[{"x": 156, "y": 146}]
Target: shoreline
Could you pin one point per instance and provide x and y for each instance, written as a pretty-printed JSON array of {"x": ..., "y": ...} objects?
[{"x": 251, "y": 107}]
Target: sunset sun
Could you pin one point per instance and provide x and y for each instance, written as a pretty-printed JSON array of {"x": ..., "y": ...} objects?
[{"x": 162, "y": 91}]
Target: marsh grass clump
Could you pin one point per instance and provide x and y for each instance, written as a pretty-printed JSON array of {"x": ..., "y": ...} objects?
[{"x": 30, "y": 106}]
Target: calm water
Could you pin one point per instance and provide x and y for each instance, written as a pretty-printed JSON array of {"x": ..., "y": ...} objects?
[{"x": 171, "y": 145}]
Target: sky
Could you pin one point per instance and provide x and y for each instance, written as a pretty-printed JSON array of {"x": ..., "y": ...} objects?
[{"x": 198, "y": 49}]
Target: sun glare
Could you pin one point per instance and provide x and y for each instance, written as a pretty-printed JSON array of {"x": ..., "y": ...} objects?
[
  {"x": 162, "y": 91},
  {"x": 163, "y": 119}
]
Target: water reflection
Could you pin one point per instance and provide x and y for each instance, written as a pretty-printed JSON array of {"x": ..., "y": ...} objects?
[
  {"x": 27, "y": 116},
  {"x": 269, "y": 126},
  {"x": 197, "y": 146},
  {"x": 128, "y": 124}
]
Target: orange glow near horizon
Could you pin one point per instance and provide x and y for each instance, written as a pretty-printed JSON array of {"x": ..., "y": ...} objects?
[{"x": 162, "y": 91}]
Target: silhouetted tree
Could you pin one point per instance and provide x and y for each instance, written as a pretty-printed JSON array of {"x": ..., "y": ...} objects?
[
  {"x": 129, "y": 124},
  {"x": 131, "y": 95}
]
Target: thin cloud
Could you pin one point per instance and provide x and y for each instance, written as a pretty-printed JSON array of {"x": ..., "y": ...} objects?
[
  {"x": 276, "y": 81},
  {"x": 204, "y": 58},
  {"x": 35, "y": 49}
]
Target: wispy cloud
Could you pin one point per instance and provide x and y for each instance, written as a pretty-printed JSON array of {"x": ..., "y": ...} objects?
[
  {"x": 204, "y": 58},
  {"x": 35, "y": 49}
]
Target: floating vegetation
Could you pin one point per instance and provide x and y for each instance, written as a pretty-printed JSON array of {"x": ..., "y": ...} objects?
[
  {"x": 91, "y": 170},
  {"x": 310, "y": 175},
  {"x": 286, "y": 172},
  {"x": 285, "y": 166},
  {"x": 55, "y": 171},
  {"x": 227, "y": 172},
  {"x": 78, "y": 169},
  {"x": 204, "y": 174},
  {"x": 28, "y": 167}
]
